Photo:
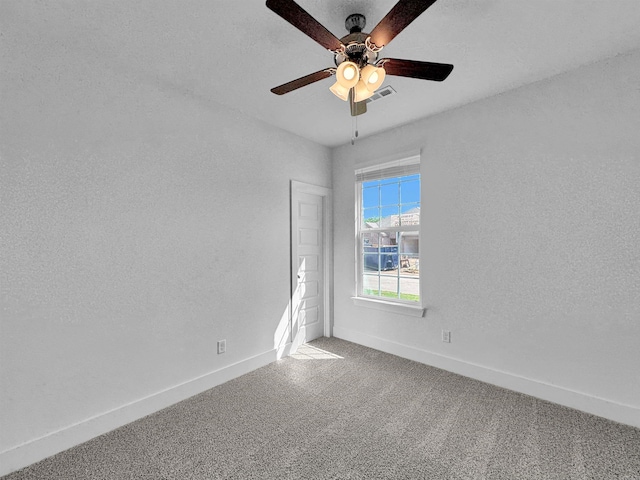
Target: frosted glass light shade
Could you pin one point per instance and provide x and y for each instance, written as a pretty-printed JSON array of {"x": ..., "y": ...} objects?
[
  {"x": 373, "y": 77},
  {"x": 339, "y": 91},
  {"x": 361, "y": 92},
  {"x": 347, "y": 74}
]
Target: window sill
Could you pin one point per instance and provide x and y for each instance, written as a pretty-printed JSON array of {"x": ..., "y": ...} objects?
[{"x": 399, "y": 308}]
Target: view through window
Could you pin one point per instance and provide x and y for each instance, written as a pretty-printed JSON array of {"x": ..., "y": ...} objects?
[{"x": 388, "y": 236}]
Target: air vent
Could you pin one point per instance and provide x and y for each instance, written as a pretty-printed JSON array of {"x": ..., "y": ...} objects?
[{"x": 381, "y": 93}]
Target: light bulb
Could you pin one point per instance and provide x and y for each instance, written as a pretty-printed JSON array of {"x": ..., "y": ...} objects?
[
  {"x": 373, "y": 77},
  {"x": 349, "y": 72}
]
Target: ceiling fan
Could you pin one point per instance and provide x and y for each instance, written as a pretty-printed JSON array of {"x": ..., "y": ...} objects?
[{"x": 359, "y": 72}]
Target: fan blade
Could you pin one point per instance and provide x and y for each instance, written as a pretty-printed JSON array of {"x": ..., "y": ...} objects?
[
  {"x": 299, "y": 18},
  {"x": 414, "y": 69},
  {"x": 301, "y": 82},
  {"x": 399, "y": 17}
]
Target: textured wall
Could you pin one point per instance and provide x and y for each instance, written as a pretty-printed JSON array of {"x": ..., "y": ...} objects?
[
  {"x": 139, "y": 225},
  {"x": 530, "y": 237}
]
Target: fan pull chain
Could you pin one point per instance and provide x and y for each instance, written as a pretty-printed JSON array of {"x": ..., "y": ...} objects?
[{"x": 354, "y": 129}]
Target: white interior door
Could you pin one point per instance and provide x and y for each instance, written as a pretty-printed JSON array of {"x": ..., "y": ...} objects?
[{"x": 309, "y": 251}]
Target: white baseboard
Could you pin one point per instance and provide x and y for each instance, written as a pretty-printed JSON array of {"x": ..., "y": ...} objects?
[
  {"x": 40, "y": 448},
  {"x": 627, "y": 414}
]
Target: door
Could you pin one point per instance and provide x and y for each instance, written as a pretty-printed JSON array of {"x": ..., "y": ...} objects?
[{"x": 309, "y": 247}]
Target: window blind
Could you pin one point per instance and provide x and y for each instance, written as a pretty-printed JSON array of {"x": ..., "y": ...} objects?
[{"x": 396, "y": 168}]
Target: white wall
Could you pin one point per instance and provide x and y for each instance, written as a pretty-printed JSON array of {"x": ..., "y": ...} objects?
[
  {"x": 140, "y": 224},
  {"x": 530, "y": 240}
]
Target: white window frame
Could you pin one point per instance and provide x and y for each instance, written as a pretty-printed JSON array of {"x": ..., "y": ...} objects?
[{"x": 403, "y": 165}]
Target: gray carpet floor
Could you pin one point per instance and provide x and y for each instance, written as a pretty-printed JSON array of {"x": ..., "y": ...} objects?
[{"x": 337, "y": 410}]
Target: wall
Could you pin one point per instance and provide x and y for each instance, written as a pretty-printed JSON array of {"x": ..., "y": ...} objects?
[
  {"x": 530, "y": 240},
  {"x": 140, "y": 224}
]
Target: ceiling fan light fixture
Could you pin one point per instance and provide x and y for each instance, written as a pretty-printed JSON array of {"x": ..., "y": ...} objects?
[
  {"x": 361, "y": 92},
  {"x": 372, "y": 77},
  {"x": 339, "y": 91},
  {"x": 359, "y": 73},
  {"x": 347, "y": 74}
]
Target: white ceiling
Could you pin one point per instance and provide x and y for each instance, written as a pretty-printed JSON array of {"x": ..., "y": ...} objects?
[{"x": 232, "y": 52}]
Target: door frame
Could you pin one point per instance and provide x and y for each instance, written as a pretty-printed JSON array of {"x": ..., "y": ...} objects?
[{"x": 327, "y": 242}]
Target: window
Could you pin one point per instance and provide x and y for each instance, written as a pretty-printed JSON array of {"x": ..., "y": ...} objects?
[{"x": 388, "y": 231}]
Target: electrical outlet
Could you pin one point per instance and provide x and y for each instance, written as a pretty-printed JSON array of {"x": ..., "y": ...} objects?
[
  {"x": 446, "y": 336},
  {"x": 222, "y": 346}
]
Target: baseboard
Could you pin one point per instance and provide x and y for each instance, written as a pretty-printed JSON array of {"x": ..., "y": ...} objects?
[
  {"x": 40, "y": 448},
  {"x": 627, "y": 414}
]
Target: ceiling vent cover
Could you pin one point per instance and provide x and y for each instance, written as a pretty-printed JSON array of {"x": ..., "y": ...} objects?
[{"x": 381, "y": 93}]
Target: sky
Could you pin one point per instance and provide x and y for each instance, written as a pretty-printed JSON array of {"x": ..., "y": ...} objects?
[{"x": 390, "y": 196}]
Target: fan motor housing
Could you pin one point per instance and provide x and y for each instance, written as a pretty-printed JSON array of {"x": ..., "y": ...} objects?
[{"x": 356, "y": 50}]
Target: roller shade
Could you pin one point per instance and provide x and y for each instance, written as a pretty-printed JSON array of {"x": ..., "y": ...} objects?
[{"x": 396, "y": 168}]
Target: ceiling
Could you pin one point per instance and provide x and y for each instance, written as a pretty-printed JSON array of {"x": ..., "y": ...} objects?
[{"x": 231, "y": 52}]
